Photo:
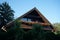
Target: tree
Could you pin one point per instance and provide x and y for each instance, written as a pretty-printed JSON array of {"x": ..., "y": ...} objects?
[
  {"x": 13, "y": 33},
  {"x": 50, "y": 36},
  {"x": 36, "y": 33},
  {"x": 57, "y": 26},
  {"x": 6, "y": 14}
]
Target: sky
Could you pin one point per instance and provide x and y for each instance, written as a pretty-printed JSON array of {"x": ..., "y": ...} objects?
[{"x": 49, "y": 8}]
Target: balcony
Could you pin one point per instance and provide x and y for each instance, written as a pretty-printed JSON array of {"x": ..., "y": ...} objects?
[
  {"x": 24, "y": 22},
  {"x": 30, "y": 27}
]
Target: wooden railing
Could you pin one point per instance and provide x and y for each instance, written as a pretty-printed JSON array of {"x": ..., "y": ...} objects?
[
  {"x": 30, "y": 27},
  {"x": 35, "y": 23},
  {"x": 26, "y": 26}
]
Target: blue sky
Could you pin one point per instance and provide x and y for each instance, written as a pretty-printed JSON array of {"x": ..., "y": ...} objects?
[{"x": 49, "y": 8}]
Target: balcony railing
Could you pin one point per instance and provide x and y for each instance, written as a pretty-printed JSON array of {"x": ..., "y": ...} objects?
[
  {"x": 35, "y": 23},
  {"x": 30, "y": 27}
]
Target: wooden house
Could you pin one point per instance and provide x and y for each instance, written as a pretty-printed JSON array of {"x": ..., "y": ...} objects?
[{"x": 31, "y": 17}]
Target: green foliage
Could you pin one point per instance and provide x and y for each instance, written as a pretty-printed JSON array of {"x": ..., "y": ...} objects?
[
  {"x": 17, "y": 33},
  {"x": 57, "y": 26},
  {"x": 2, "y": 35},
  {"x": 36, "y": 33},
  {"x": 6, "y": 14},
  {"x": 12, "y": 32},
  {"x": 50, "y": 36}
]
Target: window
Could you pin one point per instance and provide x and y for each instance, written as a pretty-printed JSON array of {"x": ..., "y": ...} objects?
[
  {"x": 24, "y": 19},
  {"x": 29, "y": 20}
]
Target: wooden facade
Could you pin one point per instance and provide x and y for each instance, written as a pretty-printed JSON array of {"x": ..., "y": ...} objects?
[{"x": 31, "y": 17}]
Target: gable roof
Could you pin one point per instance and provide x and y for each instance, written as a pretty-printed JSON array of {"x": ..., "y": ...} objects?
[
  {"x": 38, "y": 12},
  {"x": 34, "y": 9}
]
